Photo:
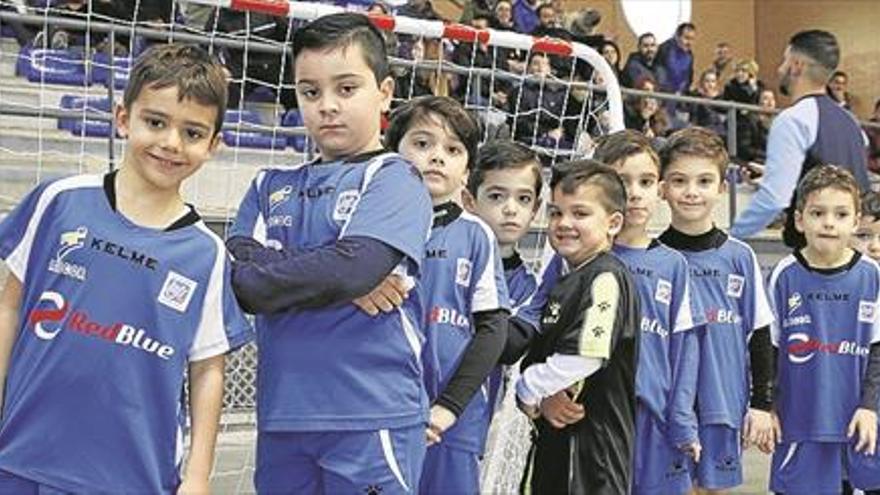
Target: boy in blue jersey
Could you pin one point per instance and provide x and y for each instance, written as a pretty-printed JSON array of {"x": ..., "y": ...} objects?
[
  {"x": 825, "y": 297},
  {"x": 666, "y": 382},
  {"x": 341, "y": 404},
  {"x": 588, "y": 344},
  {"x": 116, "y": 286},
  {"x": 867, "y": 238},
  {"x": 464, "y": 291},
  {"x": 731, "y": 409}
]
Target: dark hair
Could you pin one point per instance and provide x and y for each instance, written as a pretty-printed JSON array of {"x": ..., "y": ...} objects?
[
  {"x": 624, "y": 144},
  {"x": 503, "y": 154},
  {"x": 482, "y": 14},
  {"x": 645, "y": 35},
  {"x": 196, "y": 75},
  {"x": 839, "y": 73},
  {"x": 827, "y": 177},
  {"x": 450, "y": 111},
  {"x": 696, "y": 142},
  {"x": 685, "y": 26},
  {"x": 543, "y": 6},
  {"x": 820, "y": 46},
  {"x": 568, "y": 176},
  {"x": 339, "y": 31}
]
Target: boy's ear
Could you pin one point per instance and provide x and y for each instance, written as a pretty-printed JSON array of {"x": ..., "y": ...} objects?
[
  {"x": 722, "y": 187},
  {"x": 215, "y": 142},
  {"x": 615, "y": 224},
  {"x": 122, "y": 120},
  {"x": 386, "y": 87},
  {"x": 468, "y": 200},
  {"x": 799, "y": 221}
]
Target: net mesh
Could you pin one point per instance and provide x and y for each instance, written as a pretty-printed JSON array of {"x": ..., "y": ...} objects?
[{"x": 57, "y": 94}]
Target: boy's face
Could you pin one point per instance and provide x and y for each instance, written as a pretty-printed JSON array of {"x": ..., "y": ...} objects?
[
  {"x": 439, "y": 155},
  {"x": 506, "y": 200},
  {"x": 341, "y": 103},
  {"x": 580, "y": 227},
  {"x": 867, "y": 238},
  {"x": 168, "y": 140},
  {"x": 692, "y": 186},
  {"x": 641, "y": 177},
  {"x": 828, "y": 221}
]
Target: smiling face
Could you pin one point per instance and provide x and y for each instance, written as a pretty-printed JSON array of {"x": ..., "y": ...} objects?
[
  {"x": 340, "y": 101},
  {"x": 440, "y": 156},
  {"x": 506, "y": 200},
  {"x": 828, "y": 221},
  {"x": 168, "y": 139},
  {"x": 641, "y": 176},
  {"x": 580, "y": 227},
  {"x": 692, "y": 186}
]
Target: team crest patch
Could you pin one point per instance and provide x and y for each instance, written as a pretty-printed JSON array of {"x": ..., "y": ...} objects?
[
  {"x": 279, "y": 196},
  {"x": 345, "y": 205},
  {"x": 463, "y": 272},
  {"x": 867, "y": 311},
  {"x": 177, "y": 291},
  {"x": 735, "y": 284},
  {"x": 663, "y": 294}
]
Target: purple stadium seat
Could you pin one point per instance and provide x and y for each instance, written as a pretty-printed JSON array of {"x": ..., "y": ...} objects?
[
  {"x": 250, "y": 139},
  {"x": 81, "y": 126},
  {"x": 294, "y": 119},
  {"x": 51, "y": 66},
  {"x": 101, "y": 63}
]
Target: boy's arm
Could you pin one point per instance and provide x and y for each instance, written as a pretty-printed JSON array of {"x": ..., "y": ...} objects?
[
  {"x": 685, "y": 362},
  {"x": 559, "y": 372},
  {"x": 206, "y": 401},
  {"x": 519, "y": 337},
  {"x": 10, "y": 302},
  {"x": 871, "y": 384},
  {"x": 763, "y": 369}
]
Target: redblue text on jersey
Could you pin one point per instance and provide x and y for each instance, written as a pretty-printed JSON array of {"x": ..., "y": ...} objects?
[
  {"x": 336, "y": 368},
  {"x": 111, "y": 314},
  {"x": 462, "y": 275},
  {"x": 826, "y": 321}
]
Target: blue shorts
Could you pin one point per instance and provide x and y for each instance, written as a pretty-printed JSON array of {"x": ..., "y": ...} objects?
[
  {"x": 660, "y": 468},
  {"x": 450, "y": 470},
  {"x": 11, "y": 484},
  {"x": 384, "y": 461},
  {"x": 720, "y": 465},
  {"x": 820, "y": 468}
]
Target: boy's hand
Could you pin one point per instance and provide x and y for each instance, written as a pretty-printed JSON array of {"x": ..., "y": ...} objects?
[
  {"x": 194, "y": 485},
  {"x": 387, "y": 297},
  {"x": 693, "y": 450},
  {"x": 441, "y": 420},
  {"x": 864, "y": 422},
  {"x": 533, "y": 412},
  {"x": 759, "y": 430},
  {"x": 560, "y": 411}
]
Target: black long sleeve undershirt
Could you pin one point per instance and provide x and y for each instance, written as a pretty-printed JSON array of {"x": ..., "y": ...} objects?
[
  {"x": 519, "y": 336},
  {"x": 763, "y": 366},
  {"x": 480, "y": 357},
  {"x": 871, "y": 383}
]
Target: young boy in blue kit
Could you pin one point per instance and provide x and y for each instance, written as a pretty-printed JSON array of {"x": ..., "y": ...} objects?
[
  {"x": 310, "y": 240},
  {"x": 827, "y": 332},
  {"x": 464, "y": 292},
  {"x": 116, "y": 288}
]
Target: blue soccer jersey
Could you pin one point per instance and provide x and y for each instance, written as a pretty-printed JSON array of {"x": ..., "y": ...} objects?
[
  {"x": 462, "y": 275},
  {"x": 530, "y": 310},
  {"x": 668, "y": 307},
  {"x": 826, "y": 321},
  {"x": 727, "y": 281},
  {"x": 521, "y": 282},
  {"x": 337, "y": 368},
  {"x": 111, "y": 314}
]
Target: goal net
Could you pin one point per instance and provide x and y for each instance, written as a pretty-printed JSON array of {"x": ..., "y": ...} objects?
[{"x": 57, "y": 92}]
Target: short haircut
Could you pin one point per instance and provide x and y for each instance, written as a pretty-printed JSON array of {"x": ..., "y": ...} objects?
[
  {"x": 871, "y": 206},
  {"x": 543, "y": 6},
  {"x": 839, "y": 73},
  {"x": 504, "y": 154},
  {"x": 696, "y": 142},
  {"x": 197, "y": 76},
  {"x": 340, "y": 31},
  {"x": 568, "y": 176},
  {"x": 644, "y": 36},
  {"x": 450, "y": 112},
  {"x": 723, "y": 44},
  {"x": 481, "y": 14},
  {"x": 685, "y": 26},
  {"x": 828, "y": 177},
  {"x": 624, "y": 144},
  {"x": 820, "y": 46}
]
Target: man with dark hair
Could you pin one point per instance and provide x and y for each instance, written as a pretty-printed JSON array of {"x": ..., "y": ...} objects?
[
  {"x": 722, "y": 63},
  {"x": 675, "y": 59},
  {"x": 813, "y": 131},
  {"x": 641, "y": 63},
  {"x": 837, "y": 89}
]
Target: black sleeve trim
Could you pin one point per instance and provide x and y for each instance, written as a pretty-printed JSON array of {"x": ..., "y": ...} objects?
[
  {"x": 763, "y": 368},
  {"x": 871, "y": 383}
]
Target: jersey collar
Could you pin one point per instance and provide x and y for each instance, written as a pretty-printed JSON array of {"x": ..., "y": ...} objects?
[
  {"x": 512, "y": 262},
  {"x": 446, "y": 213},
  {"x": 188, "y": 218},
  {"x": 828, "y": 271},
  {"x": 713, "y": 239}
]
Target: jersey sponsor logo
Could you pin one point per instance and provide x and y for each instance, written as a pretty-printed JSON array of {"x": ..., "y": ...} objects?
[
  {"x": 53, "y": 315},
  {"x": 120, "y": 251},
  {"x": 435, "y": 253},
  {"x": 448, "y": 316},
  {"x": 705, "y": 272},
  {"x": 867, "y": 311},
  {"x": 828, "y": 296},
  {"x": 177, "y": 291},
  {"x": 802, "y": 348},
  {"x": 642, "y": 271},
  {"x": 463, "y": 271},
  {"x": 69, "y": 242},
  {"x": 797, "y": 320},
  {"x": 280, "y": 221},
  {"x": 346, "y": 202},
  {"x": 718, "y": 315},
  {"x": 653, "y": 325},
  {"x": 794, "y": 302},
  {"x": 279, "y": 197},
  {"x": 735, "y": 284},
  {"x": 663, "y": 293}
]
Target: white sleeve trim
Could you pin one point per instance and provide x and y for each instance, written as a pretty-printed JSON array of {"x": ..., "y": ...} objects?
[
  {"x": 558, "y": 373},
  {"x": 775, "y": 329},
  {"x": 485, "y": 296},
  {"x": 210, "y": 339}
]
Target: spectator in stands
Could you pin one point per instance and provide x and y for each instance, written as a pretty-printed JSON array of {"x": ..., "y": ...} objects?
[
  {"x": 722, "y": 62},
  {"x": 23, "y": 34},
  {"x": 196, "y": 15},
  {"x": 525, "y": 15},
  {"x": 611, "y": 53},
  {"x": 641, "y": 63},
  {"x": 380, "y": 8},
  {"x": 76, "y": 39},
  {"x": 874, "y": 140},
  {"x": 547, "y": 23},
  {"x": 583, "y": 28},
  {"x": 813, "y": 131},
  {"x": 538, "y": 115},
  {"x": 643, "y": 113},
  {"x": 675, "y": 58},
  {"x": 707, "y": 116},
  {"x": 503, "y": 18},
  {"x": 836, "y": 89},
  {"x": 418, "y": 9},
  {"x": 411, "y": 83},
  {"x": 751, "y": 139},
  {"x": 476, "y": 88},
  {"x": 744, "y": 87}
]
